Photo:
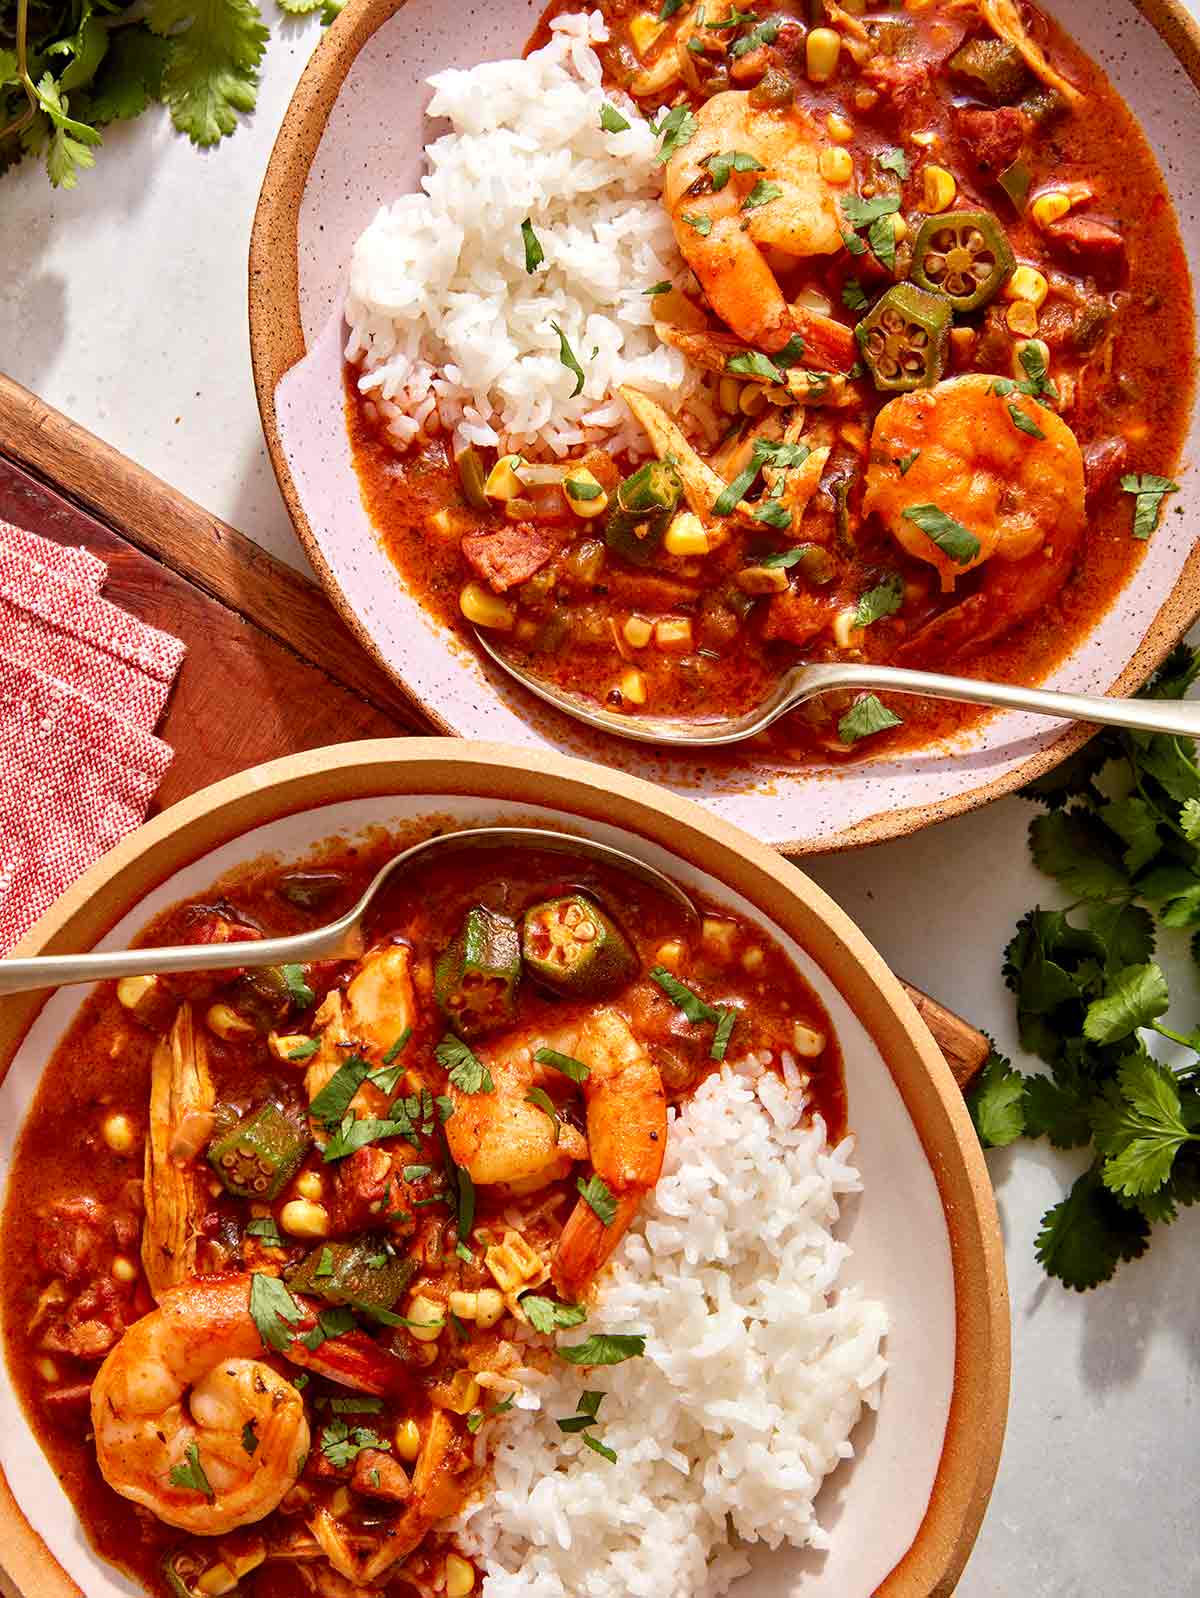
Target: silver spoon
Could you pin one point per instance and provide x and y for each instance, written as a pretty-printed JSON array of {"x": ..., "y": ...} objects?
[
  {"x": 337, "y": 940},
  {"x": 805, "y": 682}
]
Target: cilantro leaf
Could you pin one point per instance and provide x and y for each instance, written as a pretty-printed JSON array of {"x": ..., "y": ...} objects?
[
  {"x": 547, "y": 1315},
  {"x": 765, "y": 33},
  {"x": 356, "y": 1132},
  {"x": 996, "y": 1103},
  {"x": 264, "y": 1226},
  {"x": 1125, "y": 931},
  {"x": 271, "y": 1305},
  {"x": 866, "y": 716},
  {"x": 595, "y": 1194},
  {"x": 130, "y": 76},
  {"x": 1136, "y": 996},
  {"x": 753, "y": 363},
  {"x": 692, "y": 1005},
  {"x": 881, "y": 236},
  {"x": 1087, "y": 1234},
  {"x": 861, "y": 213},
  {"x": 772, "y": 513},
  {"x": 604, "y": 1348},
  {"x": 566, "y": 1063},
  {"x": 1037, "y": 378},
  {"x": 853, "y": 297},
  {"x": 1149, "y": 491},
  {"x": 727, "y": 1020},
  {"x": 191, "y": 1475},
  {"x": 695, "y": 219},
  {"x": 597, "y": 1447},
  {"x": 894, "y": 160},
  {"x": 543, "y": 1101},
  {"x": 951, "y": 537},
  {"x": 212, "y": 72},
  {"x": 1138, "y": 1127},
  {"x": 534, "y": 254},
  {"x": 675, "y": 129},
  {"x": 566, "y": 356},
  {"x": 465, "y": 1070},
  {"x": 333, "y": 1101},
  {"x": 249, "y": 1438},
  {"x": 720, "y": 166},
  {"x": 299, "y": 991},
  {"x": 1056, "y": 1112},
  {"x": 1072, "y": 846},
  {"x": 611, "y": 119},
  {"x": 1023, "y": 422},
  {"x": 885, "y": 599},
  {"x": 761, "y": 194}
]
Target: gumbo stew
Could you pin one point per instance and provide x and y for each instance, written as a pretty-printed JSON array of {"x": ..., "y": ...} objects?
[
  {"x": 930, "y": 271},
  {"x": 275, "y": 1239}
]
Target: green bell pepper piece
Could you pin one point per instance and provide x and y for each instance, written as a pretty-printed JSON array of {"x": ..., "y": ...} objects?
[{"x": 992, "y": 69}]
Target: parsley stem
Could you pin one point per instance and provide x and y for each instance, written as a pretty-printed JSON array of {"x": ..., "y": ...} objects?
[
  {"x": 1176, "y": 1037},
  {"x": 27, "y": 83}
]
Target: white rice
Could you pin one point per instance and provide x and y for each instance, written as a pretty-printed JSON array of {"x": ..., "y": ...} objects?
[
  {"x": 756, "y": 1370},
  {"x": 452, "y": 331}
]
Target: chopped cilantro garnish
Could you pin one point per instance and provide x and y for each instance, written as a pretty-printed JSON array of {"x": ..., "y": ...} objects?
[
  {"x": 692, "y": 1005},
  {"x": 547, "y": 1315},
  {"x": 543, "y": 1101},
  {"x": 702, "y": 224},
  {"x": 566, "y": 356},
  {"x": 867, "y": 715},
  {"x": 264, "y": 1227},
  {"x": 611, "y": 119},
  {"x": 465, "y": 1070},
  {"x": 191, "y": 1475},
  {"x": 249, "y": 1437},
  {"x": 885, "y": 599},
  {"x": 720, "y": 166},
  {"x": 595, "y": 1194},
  {"x": 727, "y": 1020},
  {"x": 270, "y": 1306},
  {"x": 1149, "y": 491},
  {"x": 894, "y": 160},
  {"x": 951, "y": 537},
  {"x": 1023, "y": 422},
  {"x": 575, "y": 1069},
  {"x": 332, "y": 1102},
  {"x": 761, "y": 194},
  {"x": 604, "y": 1348},
  {"x": 534, "y": 254},
  {"x": 299, "y": 991},
  {"x": 305, "y": 1050},
  {"x": 675, "y": 129},
  {"x": 853, "y": 297}
]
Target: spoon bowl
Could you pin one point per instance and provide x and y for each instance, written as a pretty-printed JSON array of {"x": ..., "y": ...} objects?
[
  {"x": 806, "y": 682},
  {"x": 338, "y": 939}
]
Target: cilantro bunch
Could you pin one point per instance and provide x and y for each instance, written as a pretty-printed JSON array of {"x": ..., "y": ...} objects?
[
  {"x": 1121, "y": 834},
  {"x": 70, "y": 68}
]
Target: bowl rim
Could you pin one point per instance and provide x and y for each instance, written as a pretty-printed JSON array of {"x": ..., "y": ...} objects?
[
  {"x": 376, "y": 769},
  {"x": 277, "y": 344}
]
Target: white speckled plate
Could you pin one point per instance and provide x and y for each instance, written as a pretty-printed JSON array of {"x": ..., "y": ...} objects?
[
  {"x": 903, "y": 1514},
  {"x": 353, "y": 139}
]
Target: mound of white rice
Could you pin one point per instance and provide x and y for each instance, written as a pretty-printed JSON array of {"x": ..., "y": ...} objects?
[
  {"x": 449, "y": 327},
  {"x": 756, "y": 1369}
]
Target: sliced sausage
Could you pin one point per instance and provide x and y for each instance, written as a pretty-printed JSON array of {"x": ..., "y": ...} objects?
[
  {"x": 1087, "y": 247},
  {"x": 1102, "y": 461},
  {"x": 795, "y": 618},
  {"x": 993, "y": 138},
  {"x": 508, "y": 557}
]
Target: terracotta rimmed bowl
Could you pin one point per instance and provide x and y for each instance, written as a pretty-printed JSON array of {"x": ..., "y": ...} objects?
[
  {"x": 352, "y": 140},
  {"x": 924, "y": 1232}
]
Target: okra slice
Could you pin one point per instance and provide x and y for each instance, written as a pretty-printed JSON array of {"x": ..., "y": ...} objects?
[
  {"x": 964, "y": 255},
  {"x": 363, "y": 1274},
  {"x": 573, "y": 947},
  {"x": 641, "y": 510},
  {"x": 475, "y": 983},
  {"x": 257, "y": 1156},
  {"x": 904, "y": 338}
]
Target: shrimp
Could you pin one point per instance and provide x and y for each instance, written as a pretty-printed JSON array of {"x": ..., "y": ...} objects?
[
  {"x": 181, "y": 1121},
  {"x": 178, "y": 1397},
  {"x": 1020, "y": 495},
  {"x": 627, "y": 1138},
  {"x": 799, "y": 219},
  {"x": 501, "y": 1137},
  {"x": 376, "y": 1009}
]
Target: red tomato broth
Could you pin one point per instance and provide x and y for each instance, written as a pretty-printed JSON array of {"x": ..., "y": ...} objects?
[
  {"x": 74, "y": 1203},
  {"x": 1133, "y": 388}
]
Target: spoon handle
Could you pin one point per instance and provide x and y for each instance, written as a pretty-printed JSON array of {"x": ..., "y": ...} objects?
[
  {"x": 1139, "y": 715},
  {"x": 61, "y": 970}
]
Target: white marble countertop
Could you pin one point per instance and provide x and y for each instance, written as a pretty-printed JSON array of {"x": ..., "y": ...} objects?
[{"x": 124, "y": 305}]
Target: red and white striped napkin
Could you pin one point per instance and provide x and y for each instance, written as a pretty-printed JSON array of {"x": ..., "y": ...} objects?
[{"x": 82, "y": 685}]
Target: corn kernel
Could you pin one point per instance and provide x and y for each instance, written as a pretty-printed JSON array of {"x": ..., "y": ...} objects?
[
  {"x": 124, "y": 1270},
  {"x": 427, "y": 1318},
  {"x": 502, "y": 480},
  {"x": 637, "y": 632},
  {"x": 132, "y": 990},
  {"x": 644, "y": 29},
  {"x": 1026, "y": 283},
  {"x": 119, "y": 1133},
  {"x": 407, "y": 1438},
  {"x": 310, "y": 1185},
  {"x": 845, "y": 634},
  {"x": 583, "y": 493},
  {"x": 460, "y": 1394},
  {"x": 927, "y": 138},
  {"x": 512, "y": 1262},
  {"x": 753, "y": 958},
  {"x": 284, "y": 1046},
  {"x": 812, "y": 299},
  {"x": 1050, "y": 207},
  {"x": 227, "y": 1023},
  {"x": 728, "y": 392},
  {"x": 839, "y": 128},
  {"x": 464, "y": 1305},
  {"x": 899, "y": 228},
  {"x": 752, "y": 401},
  {"x": 46, "y": 1369},
  {"x": 963, "y": 341},
  {"x": 249, "y": 1559},
  {"x": 670, "y": 954},
  {"x": 460, "y": 1577},
  {"x": 633, "y": 687},
  {"x": 673, "y": 635},
  {"x": 806, "y": 1041},
  {"x": 938, "y": 189},
  {"x": 216, "y": 1580},
  {"x": 865, "y": 99},
  {"x": 718, "y": 936},
  {"x": 303, "y": 1218},
  {"x": 821, "y": 51},
  {"x": 1022, "y": 318},
  {"x": 489, "y": 1308},
  {"x": 836, "y": 165},
  {"x": 485, "y": 609}
]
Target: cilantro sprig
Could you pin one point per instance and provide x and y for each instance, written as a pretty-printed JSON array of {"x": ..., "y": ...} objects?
[{"x": 1121, "y": 837}]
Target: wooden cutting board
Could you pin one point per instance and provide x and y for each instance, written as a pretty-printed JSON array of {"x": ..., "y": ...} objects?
[{"x": 271, "y": 669}]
